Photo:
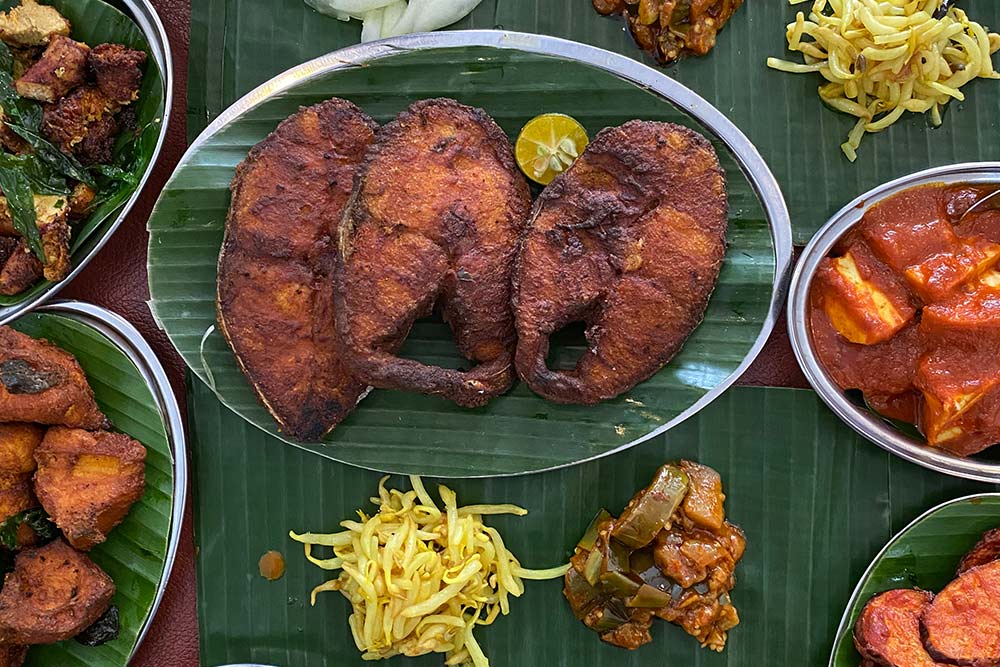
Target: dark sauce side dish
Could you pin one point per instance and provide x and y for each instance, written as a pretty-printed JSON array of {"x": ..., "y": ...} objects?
[
  {"x": 670, "y": 555},
  {"x": 906, "y": 309}
]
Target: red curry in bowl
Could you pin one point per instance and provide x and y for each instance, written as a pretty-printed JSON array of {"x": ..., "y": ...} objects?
[{"x": 906, "y": 309}]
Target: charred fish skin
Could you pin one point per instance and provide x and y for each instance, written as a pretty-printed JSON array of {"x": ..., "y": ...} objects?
[
  {"x": 275, "y": 285},
  {"x": 629, "y": 240},
  {"x": 435, "y": 219}
]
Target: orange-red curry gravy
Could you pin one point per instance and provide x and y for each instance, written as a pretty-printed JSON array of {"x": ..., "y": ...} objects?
[{"x": 907, "y": 310}]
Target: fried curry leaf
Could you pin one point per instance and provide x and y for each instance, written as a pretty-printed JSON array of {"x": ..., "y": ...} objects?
[
  {"x": 103, "y": 630},
  {"x": 62, "y": 163},
  {"x": 21, "y": 202},
  {"x": 43, "y": 180},
  {"x": 36, "y": 519}
]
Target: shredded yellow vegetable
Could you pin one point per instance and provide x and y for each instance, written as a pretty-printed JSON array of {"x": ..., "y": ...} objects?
[
  {"x": 420, "y": 578},
  {"x": 882, "y": 58}
]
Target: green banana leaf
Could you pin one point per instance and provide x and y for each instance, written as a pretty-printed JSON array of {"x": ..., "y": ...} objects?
[
  {"x": 816, "y": 503},
  {"x": 402, "y": 432},
  {"x": 238, "y": 44},
  {"x": 924, "y": 555},
  {"x": 95, "y": 22},
  {"x": 135, "y": 552}
]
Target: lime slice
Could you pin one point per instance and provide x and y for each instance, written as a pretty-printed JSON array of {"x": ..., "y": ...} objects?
[{"x": 548, "y": 145}]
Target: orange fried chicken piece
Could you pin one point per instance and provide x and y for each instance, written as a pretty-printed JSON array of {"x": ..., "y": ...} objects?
[
  {"x": 630, "y": 241},
  {"x": 53, "y": 594},
  {"x": 437, "y": 212},
  {"x": 44, "y": 384},
  {"x": 88, "y": 481}
]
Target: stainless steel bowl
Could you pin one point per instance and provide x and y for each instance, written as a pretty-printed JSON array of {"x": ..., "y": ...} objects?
[
  {"x": 865, "y": 422},
  {"x": 142, "y": 12},
  {"x": 126, "y": 338}
]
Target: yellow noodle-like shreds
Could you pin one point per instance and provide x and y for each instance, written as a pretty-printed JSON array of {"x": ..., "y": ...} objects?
[
  {"x": 418, "y": 579},
  {"x": 882, "y": 58}
]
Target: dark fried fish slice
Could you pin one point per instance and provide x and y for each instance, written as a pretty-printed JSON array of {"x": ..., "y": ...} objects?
[
  {"x": 87, "y": 482},
  {"x": 275, "y": 297},
  {"x": 435, "y": 220},
  {"x": 961, "y": 626},
  {"x": 53, "y": 594},
  {"x": 630, "y": 241},
  {"x": 13, "y": 656},
  {"x": 987, "y": 550},
  {"x": 888, "y": 630},
  {"x": 43, "y": 384}
]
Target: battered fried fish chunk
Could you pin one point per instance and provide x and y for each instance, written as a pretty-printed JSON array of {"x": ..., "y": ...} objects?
[
  {"x": 70, "y": 121},
  {"x": 61, "y": 68},
  {"x": 53, "y": 594},
  {"x": 888, "y": 630},
  {"x": 17, "y": 447},
  {"x": 43, "y": 384},
  {"x": 117, "y": 71},
  {"x": 19, "y": 268},
  {"x": 987, "y": 550},
  {"x": 437, "y": 212},
  {"x": 960, "y": 626},
  {"x": 275, "y": 288},
  {"x": 31, "y": 24},
  {"x": 51, "y": 212},
  {"x": 88, "y": 481},
  {"x": 629, "y": 241}
]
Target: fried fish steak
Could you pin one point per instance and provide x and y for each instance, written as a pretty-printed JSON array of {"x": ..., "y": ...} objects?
[
  {"x": 888, "y": 630},
  {"x": 275, "y": 289},
  {"x": 986, "y": 550},
  {"x": 629, "y": 241},
  {"x": 434, "y": 222},
  {"x": 13, "y": 656},
  {"x": 960, "y": 626},
  {"x": 88, "y": 481},
  {"x": 43, "y": 384},
  {"x": 53, "y": 594}
]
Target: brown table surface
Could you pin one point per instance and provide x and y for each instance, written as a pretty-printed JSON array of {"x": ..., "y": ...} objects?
[{"x": 116, "y": 279}]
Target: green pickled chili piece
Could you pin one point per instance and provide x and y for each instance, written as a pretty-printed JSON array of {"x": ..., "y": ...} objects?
[
  {"x": 592, "y": 568},
  {"x": 649, "y": 597},
  {"x": 618, "y": 584},
  {"x": 616, "y": 557},
  {"x": 611, "y": 616},
  {"x": 580, "y": 594},
  {"x": 650, "y": 511},
  {"x": 590, "y": 537}
]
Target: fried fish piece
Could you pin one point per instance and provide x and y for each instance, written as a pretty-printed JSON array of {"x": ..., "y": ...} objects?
[
  {"x": 54, "y": 593},
  {"x": 986, "y": 550},
  {"x": 117, "y": 71},
  {"x": 18, "y": 442},
  {"x": 888, "y": 630},
  {"x": 275, "y": 289},
  {"x": 13, "y": 656},
  {"x": 630, "y": 241},
  {"x": 435, "y": 219},
  {"x": 62, "y": 67},
  {"x": 43, "y": 384},
  {"x": 960, "y": 626},
  {"x": 32, "y": 24},
  {"x": 88, "y": 481},
  {"x": 19, "y": 268},
  {"x": 51, "y": 213}
]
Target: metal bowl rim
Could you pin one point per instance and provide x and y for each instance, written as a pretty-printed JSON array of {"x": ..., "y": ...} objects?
[
  {"x": 845, "y": 620},
  {"x": 751, "y": 163},
  {"x": 127, "y": 338},
  {"x": 145, "y": 17},
  {"x": 862, "y": 421}
]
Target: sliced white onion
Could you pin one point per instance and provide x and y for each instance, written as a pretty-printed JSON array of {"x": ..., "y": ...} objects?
[
  {"x": 428, "y": 15},
  {"x": 391, "y": 17},
  {"x": 353, "y": 8}
]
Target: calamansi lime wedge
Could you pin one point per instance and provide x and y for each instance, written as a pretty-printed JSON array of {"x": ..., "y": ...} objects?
[{"x": 547, "y": 146}]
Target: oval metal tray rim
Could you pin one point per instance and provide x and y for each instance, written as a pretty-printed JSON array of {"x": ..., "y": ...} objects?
[
  {"x": 127, "y": 338},
  {"x": 751, "y": 163},
  {"x": 865, "y": 423},
  {"x": 145, "y": 16},
  {"x": 845, "y": 620}
]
